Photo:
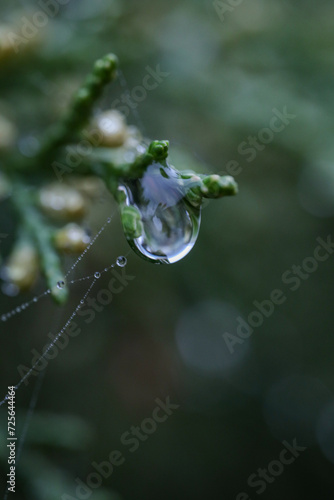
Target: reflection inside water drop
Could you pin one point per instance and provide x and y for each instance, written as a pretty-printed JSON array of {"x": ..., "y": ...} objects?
[{"x": 170, "y": 223}]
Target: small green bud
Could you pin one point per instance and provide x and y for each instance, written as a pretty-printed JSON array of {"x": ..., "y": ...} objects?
[
  {"x": 215, "y": 186},
  {"x": 159, "y": 150},
  {"x": 131, "y": 220},
  {"x": 105, "y": 68}
]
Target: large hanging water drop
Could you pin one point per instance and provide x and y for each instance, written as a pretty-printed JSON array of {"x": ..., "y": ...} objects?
[{"x": 169, "y": 222}]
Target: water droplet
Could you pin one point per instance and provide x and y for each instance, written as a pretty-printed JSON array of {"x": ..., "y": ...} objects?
[
  {"x": 170, "y": 223},
  {"x": 97, "y": 275},
  {"x": 35, "y": 299},
  {"x": 60, "y": 284},
  {"x": 18, "y": 309},
  {"x": 121, "y": 261},
  {"x": 3, "y": 317},
  {"x": 82, "y": 301},
  {"x": 109, "y": 220}
]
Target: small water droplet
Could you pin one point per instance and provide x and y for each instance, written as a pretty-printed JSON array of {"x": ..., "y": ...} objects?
[
  {"x": 97, "y": 275},
  {"x": 35, "y": 299},
  {"x": 82, "y": 301},
  {"x": 170, "y": 223},
  {"x": 109, "y": 220},
  {"x": 18, "y": 309},
  {"x": 121, "y": 261},
  {"x": 61, "y": 284},
  {"x": 3, "y": 317}
]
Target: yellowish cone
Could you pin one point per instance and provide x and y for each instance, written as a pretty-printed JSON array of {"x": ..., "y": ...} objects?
[
  {"x": 109, "y": 130},
  {"x": 22, "y": 267},
  {"x": 71, "y": 239},
  {"x": 62, "y": 202}
]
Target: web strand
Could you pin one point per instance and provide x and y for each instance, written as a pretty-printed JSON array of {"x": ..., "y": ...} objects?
[
  {"x": 121, "y": 262},
  {"x": 51, "y": 344},
  {"x": 6, "y": 316}
]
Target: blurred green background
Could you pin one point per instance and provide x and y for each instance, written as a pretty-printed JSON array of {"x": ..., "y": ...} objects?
[{"x": 229, "y": 67}]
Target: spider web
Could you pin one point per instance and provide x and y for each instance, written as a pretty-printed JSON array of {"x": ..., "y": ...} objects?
[
  {"x": 120, "y": 261},
  {"x": 5, "y": 317}
]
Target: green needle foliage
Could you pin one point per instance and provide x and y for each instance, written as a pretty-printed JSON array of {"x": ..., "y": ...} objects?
[{"x": 107, "y": 159}]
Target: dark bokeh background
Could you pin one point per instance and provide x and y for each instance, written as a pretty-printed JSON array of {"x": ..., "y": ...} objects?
[{"x": 163, "y": 335}]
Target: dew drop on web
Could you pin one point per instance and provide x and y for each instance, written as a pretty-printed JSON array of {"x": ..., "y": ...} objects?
[
  {"x": 170, "y": 223},
  {"x": 60, "y": 284},
  {"x": 121, "y": 261}
]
